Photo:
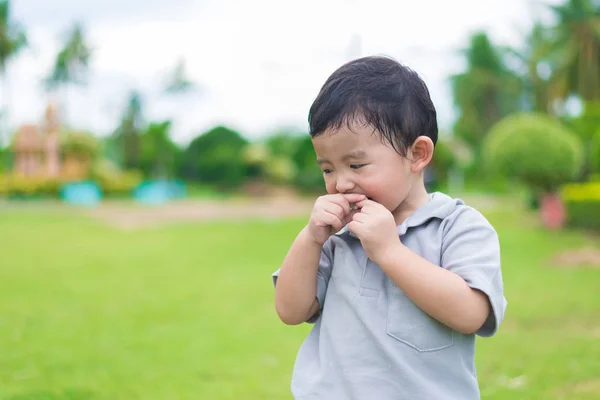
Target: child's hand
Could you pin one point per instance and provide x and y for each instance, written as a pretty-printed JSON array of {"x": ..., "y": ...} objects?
[
  {"x": 376, "y": 228},
  {"x": 330, "y": 214}
]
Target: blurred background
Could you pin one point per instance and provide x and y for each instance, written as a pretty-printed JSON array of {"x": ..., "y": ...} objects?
[{"x": 155, "y": 166}]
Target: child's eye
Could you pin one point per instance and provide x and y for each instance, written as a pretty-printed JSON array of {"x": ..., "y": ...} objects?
[
  {"x": 357, "y": 166},
  {"x": 327, "y": 171}
]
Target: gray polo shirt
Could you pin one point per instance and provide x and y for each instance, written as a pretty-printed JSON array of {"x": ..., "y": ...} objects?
[{"x": 370, "y": 341}]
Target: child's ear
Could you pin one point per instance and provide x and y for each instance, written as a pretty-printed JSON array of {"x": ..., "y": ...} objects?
[{"x": 421, "y": 153}]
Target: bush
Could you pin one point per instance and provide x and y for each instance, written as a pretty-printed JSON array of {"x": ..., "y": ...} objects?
[
  {"x": 18, "y": 186},
  {"x": 114, "y": 182},
  {"x": 534, "y": 149},
  {"x": 582, "y": 201},
  {"x": 595, "y": 153},
  {"x": 79, "y": 145}
]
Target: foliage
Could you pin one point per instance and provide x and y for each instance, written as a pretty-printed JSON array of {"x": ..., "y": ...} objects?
[
  {"x": 583, "y": 204},
  {"x": 595, "y": 153},
  {"x": 14, "y": 185},
  {"x": 178, "y": 81},
  {"x": 444, "y": 159},
  {"x": 13, "y": 40},
  {"x": 485, "y": 92},
  {"x": 531, "y": 64},
  {"x": 575, "y": 50},
  {"x": 159, "y": 156},
  {"x": 4, "y": 157},
  {"x": 309, "y": 176},
  {"x": 272, "y": 160},
  {"x": 12, "y": 35},
  {"x": 112, "y": 181},
  {"x": 79, "y": 145},
  {"x": 216, "y": 157},
  {"x": 587, "y": 123},
  {"x": 72, "y": 62},
  {"x": 126, "y": 140},
  {"x": 280, "y": 170},
  {"x": 534, "y": 149}
]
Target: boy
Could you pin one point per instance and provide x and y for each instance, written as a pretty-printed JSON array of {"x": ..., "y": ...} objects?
[{"x": 397, "y": 281}]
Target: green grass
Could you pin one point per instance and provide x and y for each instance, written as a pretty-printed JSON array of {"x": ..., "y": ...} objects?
[{"x": 185, "y": 312}]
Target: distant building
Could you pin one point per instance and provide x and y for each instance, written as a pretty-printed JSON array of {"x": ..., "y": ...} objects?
[{"x": 37, "y": 148}]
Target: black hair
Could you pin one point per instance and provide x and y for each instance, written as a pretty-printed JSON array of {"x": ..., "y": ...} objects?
[{"x": 379, "y": 92}]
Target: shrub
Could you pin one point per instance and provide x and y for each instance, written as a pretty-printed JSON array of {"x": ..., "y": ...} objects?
[
  {"x": 79, "y": 145},
  {"x": 582, "y": 201},
  {"x": 114, "y": 182},
  {"x": 595, "y": 153},
  {"x": 18, "y": 186},
  {"x": 534, "y": 149}
]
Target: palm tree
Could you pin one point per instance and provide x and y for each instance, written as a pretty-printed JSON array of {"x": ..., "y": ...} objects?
[
  {"x": 485, "y": 92},
  {"x": 12, "y": 40},
  {"x": 72, "y": 62},
  {"x": 127, "y": 137},
  {"x": 575, "y": 50},
  {"x": 535, "y": 68},
  {"x": 178, "y": 81},
  {"x": 177, "y": 84}
]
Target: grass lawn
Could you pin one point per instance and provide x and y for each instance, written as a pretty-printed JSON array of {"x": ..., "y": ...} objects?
[{"x": 185, "y": 312}]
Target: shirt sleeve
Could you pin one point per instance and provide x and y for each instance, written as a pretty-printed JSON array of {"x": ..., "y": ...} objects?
[
  {"x": 471, "y": 249},
  {"x": 323, "y": 275}
]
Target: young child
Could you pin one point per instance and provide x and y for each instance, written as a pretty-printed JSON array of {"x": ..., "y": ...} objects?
[{"x": 397, "y": 281}]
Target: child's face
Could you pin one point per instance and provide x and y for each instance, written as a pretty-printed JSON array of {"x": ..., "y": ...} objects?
[{"x": 358, "y": 161}]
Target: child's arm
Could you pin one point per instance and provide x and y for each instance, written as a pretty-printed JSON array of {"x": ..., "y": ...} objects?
[
  {"x": 302, "y": 279},
  {"x": 465, "y": 292},
  {"x": 296, "y": 289},
  {"x": 439, "y": 292}
]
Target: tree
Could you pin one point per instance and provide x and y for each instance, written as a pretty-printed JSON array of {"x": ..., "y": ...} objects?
[
  {"x": 575, "y": 50},
  {"x": 159, "y": 155},
  {"x": 13, "y": 39},
  {"x": 216, "y": 157},
  {"x": 485, "y": 92},
  {"x": 178, "y": 81},
  {"x": 534, "y": 67},
  {"x": 127, "y": 137},
  {"x": 72, "y": 62},
  {"x": 309, "y": 176}
]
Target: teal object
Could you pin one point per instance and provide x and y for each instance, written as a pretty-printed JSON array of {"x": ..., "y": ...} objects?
[
  {"x": 86, "y": 194},
  {"x": 159, "y": 192}
]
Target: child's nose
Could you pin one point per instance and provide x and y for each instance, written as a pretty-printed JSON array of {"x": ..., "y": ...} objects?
[{"x": 343, "y": 185}]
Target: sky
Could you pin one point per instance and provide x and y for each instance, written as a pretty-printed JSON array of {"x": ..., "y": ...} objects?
[{"x": 257, "y": 65}]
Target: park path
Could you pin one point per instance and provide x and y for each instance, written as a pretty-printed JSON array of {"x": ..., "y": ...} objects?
[{"x": 126, "y": 215}]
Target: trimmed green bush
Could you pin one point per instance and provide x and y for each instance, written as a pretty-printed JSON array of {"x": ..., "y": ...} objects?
[{"x": 534, "y": 149}]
